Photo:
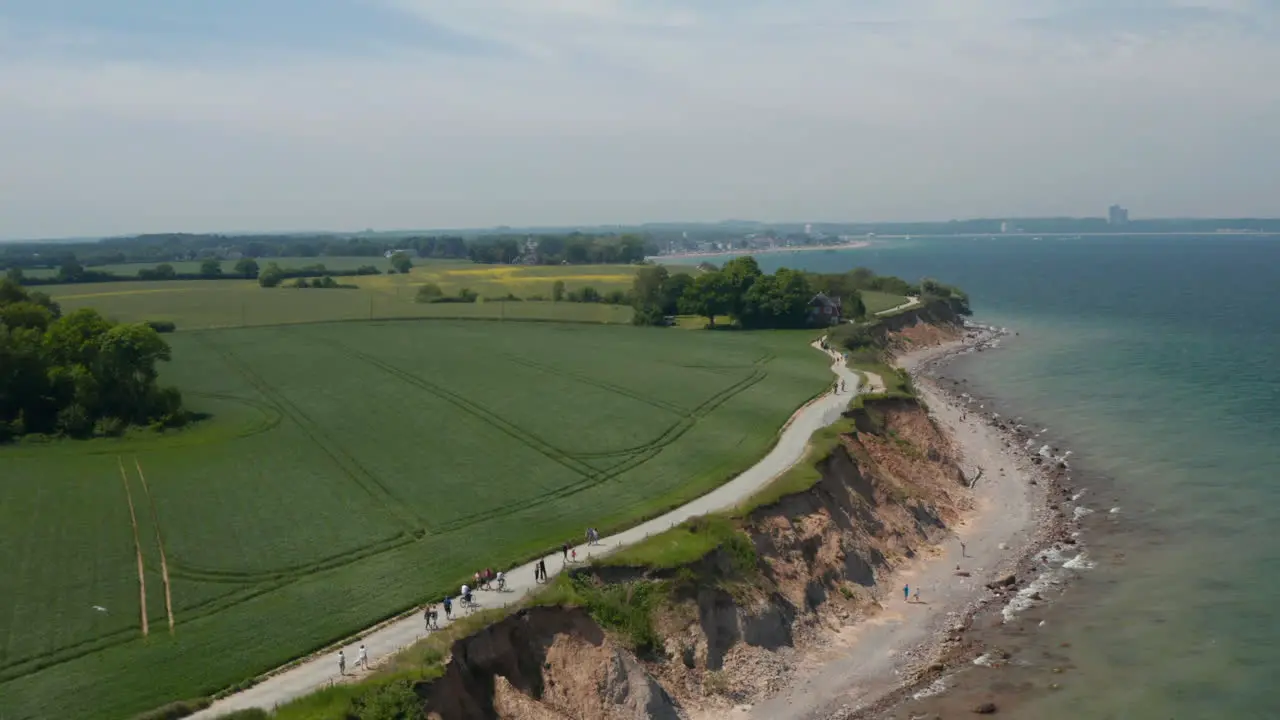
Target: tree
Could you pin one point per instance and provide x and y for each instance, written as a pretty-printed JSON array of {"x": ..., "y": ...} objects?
[
  {"x": 740, "y": 274},
  {"x": 401, "y": 262},
  {"x": 557, "y": 291},
  {"x": 271, "y": 276},
  {"x": 672, "y": 290},
  {"x": 430, "y": 292},
  {"x": 70, "y": 270},
  {"x": 780, "y": 300},
  {"x": 211, "y": 267},
  {"x": 247, "y": 267},
  {"x": 709, "y": 295},
  {"x": 646, "y": 288},
  {"x": 15, "y": 275}
]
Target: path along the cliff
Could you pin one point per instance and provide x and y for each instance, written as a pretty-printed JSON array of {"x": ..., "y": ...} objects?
[{"x": 321, "y": 670}]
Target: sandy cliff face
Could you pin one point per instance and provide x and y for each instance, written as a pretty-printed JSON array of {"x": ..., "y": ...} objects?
[
  {"x": 889, "y": 490},
  {"x": 545, "y": 663}
]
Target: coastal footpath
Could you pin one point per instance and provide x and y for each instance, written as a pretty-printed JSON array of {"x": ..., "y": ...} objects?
[
  {"x": 321, "y": 670},
  {"x": 837, "y": 578}
]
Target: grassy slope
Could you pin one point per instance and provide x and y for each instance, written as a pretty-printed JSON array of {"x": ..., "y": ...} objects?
[
  {"x": 351, "y": 471},
  {"x": 879, "y": 301}
]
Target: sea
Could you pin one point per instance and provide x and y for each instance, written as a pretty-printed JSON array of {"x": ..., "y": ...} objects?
[{"x": 1156, "y": 362}]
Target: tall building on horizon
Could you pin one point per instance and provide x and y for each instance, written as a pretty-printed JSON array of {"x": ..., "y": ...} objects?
[{"x": 1117, "y": 215}]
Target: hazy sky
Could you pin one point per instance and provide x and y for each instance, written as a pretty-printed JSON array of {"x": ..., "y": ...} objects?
[{"x": 120, "y": 116}]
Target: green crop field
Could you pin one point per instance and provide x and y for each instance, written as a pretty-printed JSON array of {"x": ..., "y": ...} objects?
[
  {"x": 202, "y": 304},
  {"x": 450, "y": 275},
  {"x": 346, "y": 472}
]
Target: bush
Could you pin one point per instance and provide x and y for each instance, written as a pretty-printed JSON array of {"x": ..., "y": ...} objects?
[
  {"x": 74, "y": 421},
  {"x": 428, "y": 293},
  {"x": 175, "y": 710},
  {"x": 110, "y": 427},
  {"x": 162, "y": 326},
  {"x": 394, "y": 701},
  {"x": 250, "y": 714}
]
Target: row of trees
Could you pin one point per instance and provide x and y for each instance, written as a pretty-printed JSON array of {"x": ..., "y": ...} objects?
[
  {"x": 75, "y": 261},
  {"x": 78, "y": 374}
]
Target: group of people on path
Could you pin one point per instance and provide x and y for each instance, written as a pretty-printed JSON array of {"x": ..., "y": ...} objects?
[
  {"x": 362, "y": 660},
  {"x": 485, "y": 579}
]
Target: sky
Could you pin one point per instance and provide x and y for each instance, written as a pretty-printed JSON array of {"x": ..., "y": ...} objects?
[{"x": 127, "y": 116}]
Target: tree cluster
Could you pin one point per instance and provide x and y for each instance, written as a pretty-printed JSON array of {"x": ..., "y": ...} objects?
[
  {"x": 739, "y": 289},
  {"x": 78, "y": 374},
  {"x": 272, "y": 275}
]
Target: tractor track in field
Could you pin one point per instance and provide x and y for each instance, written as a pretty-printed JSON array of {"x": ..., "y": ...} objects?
[
  {"x": 602, "y": 384},
  {"x": 637, "y": 457},
  {"x": 137, "y": 546},
  {"x": 478, "y": 411},
  {"x": 164, "y": 563},
  {"x": 289, "y": 572},
  {"x": 315, "y": 433}
]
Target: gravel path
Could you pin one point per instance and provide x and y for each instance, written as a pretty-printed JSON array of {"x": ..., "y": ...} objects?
[
  {"x": 872, "y": 658},
  {"x": 321, "y": 670}
]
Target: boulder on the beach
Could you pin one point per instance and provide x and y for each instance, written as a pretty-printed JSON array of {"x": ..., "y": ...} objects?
[
  {"x": 986, "y": 708},
  {"x": 1004, "y": 581}
]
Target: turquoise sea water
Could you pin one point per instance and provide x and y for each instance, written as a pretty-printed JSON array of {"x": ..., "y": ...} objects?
[{"x": 1157, "y": 361}]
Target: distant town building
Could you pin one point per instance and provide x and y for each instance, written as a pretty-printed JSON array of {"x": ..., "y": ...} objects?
[
  {"x": 1004, "y": 226},
  {"x": 1117, "y": 215},
  {"x": 808, "y": 228}
]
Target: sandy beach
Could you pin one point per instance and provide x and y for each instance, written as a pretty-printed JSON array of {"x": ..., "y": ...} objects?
[{"x": 905, "y": 648}]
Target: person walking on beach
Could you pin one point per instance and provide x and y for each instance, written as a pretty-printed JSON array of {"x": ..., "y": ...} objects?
[
  {"x": 342, "y": 663},
  {"x": 362, "y": 660},
  {"x": 963, "y": 551},
  {"x": 917, "y": 595},
  {"x": 906, "y": 593}
]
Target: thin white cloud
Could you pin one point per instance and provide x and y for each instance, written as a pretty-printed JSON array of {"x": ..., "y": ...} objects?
[{"x": 616, "y": 111}]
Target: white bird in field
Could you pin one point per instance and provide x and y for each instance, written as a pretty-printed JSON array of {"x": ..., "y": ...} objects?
[{"x": 99, "y": 608}]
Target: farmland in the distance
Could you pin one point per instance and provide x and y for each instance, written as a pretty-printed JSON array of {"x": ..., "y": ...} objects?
[{"x": 348, "y": 471}]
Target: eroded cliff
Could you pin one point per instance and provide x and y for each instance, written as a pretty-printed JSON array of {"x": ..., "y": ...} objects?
[{"x": 664, "y": 642}]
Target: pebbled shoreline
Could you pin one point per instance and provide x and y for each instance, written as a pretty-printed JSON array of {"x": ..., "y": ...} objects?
[{"x": 941, "y": 682}]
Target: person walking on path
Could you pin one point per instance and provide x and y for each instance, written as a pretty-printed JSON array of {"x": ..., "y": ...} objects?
[
  {"x": 426, "y": 618},
  {"x": 448, "y": 608},
  {"x": 906, "y": 593},
  {"x": 362, "y": 660},
  {"x": 565, "y": 549},
  {"x": 575, "y": 554},
  {"x": 342, "y": 663}
]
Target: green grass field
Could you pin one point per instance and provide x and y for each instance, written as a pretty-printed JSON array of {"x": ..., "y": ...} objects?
[
  {"x": 879, "y": 301},
  {"x": 349, "y": 471}
]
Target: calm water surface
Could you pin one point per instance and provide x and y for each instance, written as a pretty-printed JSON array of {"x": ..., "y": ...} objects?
[{"x": 1155, "y": 360}]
